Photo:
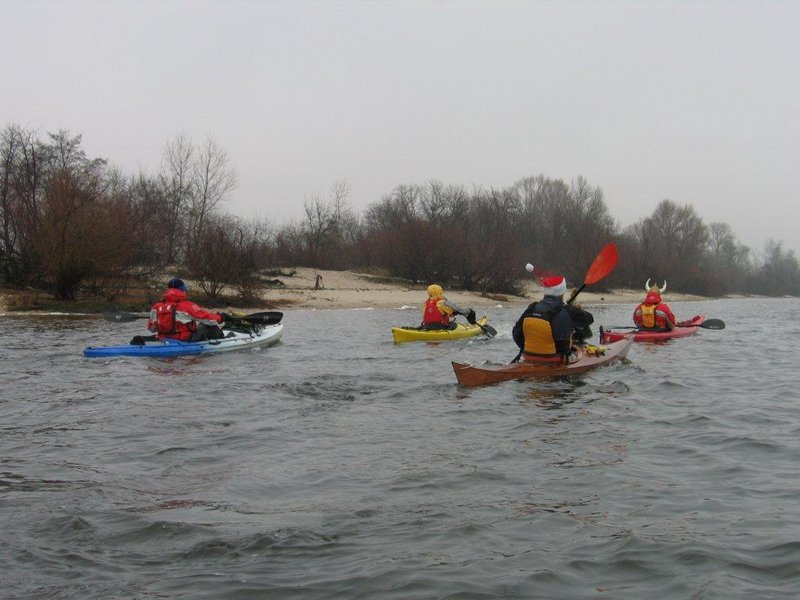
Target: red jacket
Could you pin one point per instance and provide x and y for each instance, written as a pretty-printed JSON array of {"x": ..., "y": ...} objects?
[
  {"x": 175, "y": 317},
  {"x": 653, "y": 316}
]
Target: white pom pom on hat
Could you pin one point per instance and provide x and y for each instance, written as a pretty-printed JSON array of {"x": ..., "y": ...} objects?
[{"x": 554, "y": 285}]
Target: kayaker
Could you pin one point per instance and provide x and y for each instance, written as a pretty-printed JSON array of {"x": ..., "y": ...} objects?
[
  {"x": 653, "y": 314},
  {"x": 548, "y": 329},
  {"x": 176, "y": 317},
  {"x": 439, "y": 313}
]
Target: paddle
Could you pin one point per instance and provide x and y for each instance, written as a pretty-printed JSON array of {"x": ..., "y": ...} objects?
[
  {"x": 707, "y": 324},
  {"x": 259, "y": 318},
  {"x": 488, "y": 330},
  {"x": 601, "y": 266},
  {"x": 270, "y": 317},
  {"x": 123, "y": 317},
  {"x": 469, "y": 315}
]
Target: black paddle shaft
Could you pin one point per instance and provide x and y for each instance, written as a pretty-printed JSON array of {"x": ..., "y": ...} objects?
[{"x": 260, "y": 318}]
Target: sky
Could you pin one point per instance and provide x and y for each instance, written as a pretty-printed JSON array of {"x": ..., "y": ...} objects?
[{"x": 696, "y": 102}]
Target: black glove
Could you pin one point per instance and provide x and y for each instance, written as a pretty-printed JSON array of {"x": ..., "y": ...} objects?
[
  {"x": 471, "y": 317},
  {"x": 581, "y": 333},
  {"x": 225, "y": 316}
]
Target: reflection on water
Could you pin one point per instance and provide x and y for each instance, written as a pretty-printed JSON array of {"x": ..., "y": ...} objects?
[{"x": 339, "y": 464}]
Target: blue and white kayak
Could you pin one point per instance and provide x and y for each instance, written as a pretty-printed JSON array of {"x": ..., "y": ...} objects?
[{"x": 236, "y": 339}]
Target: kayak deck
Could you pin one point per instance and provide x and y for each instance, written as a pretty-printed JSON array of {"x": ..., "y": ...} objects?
[
  {"x": 235, "y": 340},
  {"x": 471, "y": 376},
  {"x": 461, "y": 331},
  {"x": 684, "y": 329}
]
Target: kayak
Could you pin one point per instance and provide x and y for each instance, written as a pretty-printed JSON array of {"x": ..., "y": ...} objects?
[
  {"x": 684, "y": 329},
  {"x": 235, "y": 339},
  {"x": 415, "y": 334},
  {"x": 588, "y": 357}
]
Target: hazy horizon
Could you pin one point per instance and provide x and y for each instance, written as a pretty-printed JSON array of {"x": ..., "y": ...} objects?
[{"x": 694, "y": 102}]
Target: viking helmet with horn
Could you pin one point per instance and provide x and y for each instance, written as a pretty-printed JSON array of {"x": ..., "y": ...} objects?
[
  {"x": 654, "y": 288},
  {"x": 654, "y": 292}
]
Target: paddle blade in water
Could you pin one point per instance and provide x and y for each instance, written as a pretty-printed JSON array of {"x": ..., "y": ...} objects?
[
  {"x": 123, "y": 317},
  {"x": 603, "y": 264},
  {"x": 713, "y": 324},
  {"x": 489, "y": 330}
]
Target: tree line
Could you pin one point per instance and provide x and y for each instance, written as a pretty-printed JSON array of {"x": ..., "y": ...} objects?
[{"x": 70, "y": 223}]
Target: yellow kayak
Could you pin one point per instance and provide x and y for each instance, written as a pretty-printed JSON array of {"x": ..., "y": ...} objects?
[{"x": 462, "y": 330}]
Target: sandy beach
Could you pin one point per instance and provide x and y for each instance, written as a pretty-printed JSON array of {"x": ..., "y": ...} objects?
[
  {"x": 348, "y": 289},
  {"x": 352, "y": 290}
]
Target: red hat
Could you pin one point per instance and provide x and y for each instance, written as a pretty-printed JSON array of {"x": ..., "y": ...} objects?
[{"x": 554, "y": 285}]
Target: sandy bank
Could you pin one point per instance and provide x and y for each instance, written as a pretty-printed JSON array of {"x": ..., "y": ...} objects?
[
  {"x": 351, "y": 290},
  {"x": 347, "y": 289}
]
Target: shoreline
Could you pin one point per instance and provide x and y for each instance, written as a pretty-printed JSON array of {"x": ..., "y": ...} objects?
[
  {"x": 352, "y": 290},
  {"x": 349, "y": 290}
]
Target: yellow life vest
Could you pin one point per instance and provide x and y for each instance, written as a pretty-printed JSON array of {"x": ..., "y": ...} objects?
[
  {"x": 538, "y": 337},
  {"x": 648, "y": 315}
]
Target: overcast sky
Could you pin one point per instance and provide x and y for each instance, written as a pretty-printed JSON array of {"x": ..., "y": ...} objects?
[{"x": 698, "y": 102}]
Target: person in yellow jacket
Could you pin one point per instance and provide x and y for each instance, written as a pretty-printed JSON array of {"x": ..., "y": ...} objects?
[{"x": 439, "y": 313}]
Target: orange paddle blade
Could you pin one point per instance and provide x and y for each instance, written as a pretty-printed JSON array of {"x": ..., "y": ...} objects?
[{"x": 603, "y": 264}]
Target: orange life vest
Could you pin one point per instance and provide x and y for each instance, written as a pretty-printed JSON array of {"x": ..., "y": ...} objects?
[
  {"x": 538, "y": 332},
  {"x": 651, "y": 317},
  {"x": 648, "y": 315}
]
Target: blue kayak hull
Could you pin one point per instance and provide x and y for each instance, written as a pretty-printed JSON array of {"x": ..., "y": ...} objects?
[{"x": 236, "y": 340}]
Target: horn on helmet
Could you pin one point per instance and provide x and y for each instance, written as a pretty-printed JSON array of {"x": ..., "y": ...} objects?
[
  {"x": 647, "y": 285},
  {"x": 664, "y": 288}
]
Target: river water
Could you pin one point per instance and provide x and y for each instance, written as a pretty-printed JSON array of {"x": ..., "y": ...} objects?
[{"x": 340, "y": 465}]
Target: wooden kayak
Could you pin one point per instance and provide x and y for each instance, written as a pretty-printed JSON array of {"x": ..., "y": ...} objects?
[
  {"x": 588, "y": 359},
  {"x": 684, "y": 328},
  {"x": 415, "y": 334}
]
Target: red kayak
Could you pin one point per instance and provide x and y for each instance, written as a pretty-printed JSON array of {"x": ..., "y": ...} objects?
[{"x": 683, "y": 329}]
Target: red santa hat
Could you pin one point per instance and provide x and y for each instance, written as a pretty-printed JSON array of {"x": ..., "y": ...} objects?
[{"x": 554, "y": 285}]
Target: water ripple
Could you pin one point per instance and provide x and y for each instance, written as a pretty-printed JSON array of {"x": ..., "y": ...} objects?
[{"x": 366, "y": 472}]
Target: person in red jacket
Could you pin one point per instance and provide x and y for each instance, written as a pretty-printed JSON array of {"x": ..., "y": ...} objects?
[
  {"x": 175, "y": 317},
  {"x": 439, "y": 313},
  {"x": 653, "y": 314}
]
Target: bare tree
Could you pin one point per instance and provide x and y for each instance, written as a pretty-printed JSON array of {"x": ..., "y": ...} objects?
[
  {"x": 179, "y": 191},
  {"x": 319, "y": 231},
  {"x": 779, "y": 273},
  {"x": 494, "y": 242},
  {"x": 324, "y": 227},
  {"x": 230, "y": 252},
  {"x": 563, "y": 225},
  {"x": 67, "y": 242},
  {"x": 400, "y": 237},
  {"x": 726, "y": 262},
  {"x": 24, "y": 181},
  {"x": 213, "y": 179},
  {"x": 9, "y": 155}
]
